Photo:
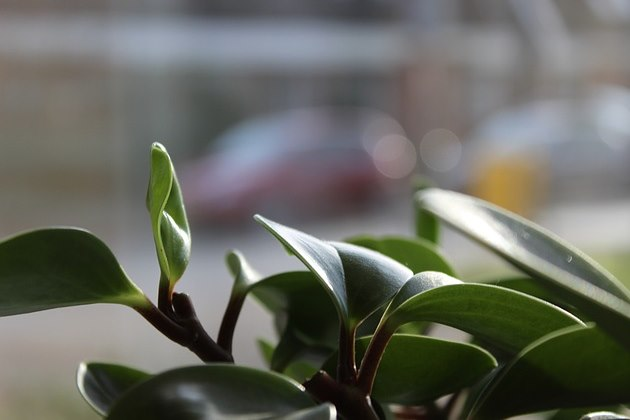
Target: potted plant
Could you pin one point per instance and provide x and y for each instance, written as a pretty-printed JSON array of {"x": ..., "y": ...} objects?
[{"x": 355, "y": 325}]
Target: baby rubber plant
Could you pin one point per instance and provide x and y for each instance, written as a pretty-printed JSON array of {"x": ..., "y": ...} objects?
[{"x": 355, "y": 326}]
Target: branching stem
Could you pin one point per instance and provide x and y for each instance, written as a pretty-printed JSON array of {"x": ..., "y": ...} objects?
[
  {"x": 182, "y": 326},
  {"x": 228, "y": 324},
  {"x": 372, "y": 359},
  {"x": 346, "y": 365}
]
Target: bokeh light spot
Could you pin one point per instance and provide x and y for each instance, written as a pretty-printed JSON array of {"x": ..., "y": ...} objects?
[
  {"x": 394, "y": 156},
  {"x": 440, "y": 150}
]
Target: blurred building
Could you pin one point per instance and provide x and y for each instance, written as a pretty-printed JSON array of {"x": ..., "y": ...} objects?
[{"x": 87, "y": 86}]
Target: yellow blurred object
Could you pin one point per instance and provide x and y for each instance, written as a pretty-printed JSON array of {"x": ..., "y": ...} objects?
[{"x": 516, "y": 182}]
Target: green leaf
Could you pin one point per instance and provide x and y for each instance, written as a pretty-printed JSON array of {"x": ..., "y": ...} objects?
[
  {"x": 508, "y": 319},
  {"x": 427, "y": 226},
  {"x": 416, "y": 254},
  {"x": 574, "y": 367},
  {"x": 304, "y": 314},
  {"x": 320, "y": 257},
  {"x": 584, "y": 413},
  {"x": 562, "y": 268},
  {"x": 358, "y": 280},
  {"x": 265, "y": 348},
  {"x": 171, "y": 232},
  {"x": 416, "y": 369},
  {"x": 531, "y": 287},
  {"x": 371, "y": 279},
  {"x": 604, "y": 415},
  {"x": 321, "y": 412},
  {"x": 101, "y": 384},
  {"x": 59, "y": 267},
  {"x": 245, "y": 277},
  {"x": 298, "y": 297},
  {"x": 212, "y": 391}
]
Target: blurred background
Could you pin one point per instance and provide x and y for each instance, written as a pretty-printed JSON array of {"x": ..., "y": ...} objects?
[{"x": 315, "y": 113}]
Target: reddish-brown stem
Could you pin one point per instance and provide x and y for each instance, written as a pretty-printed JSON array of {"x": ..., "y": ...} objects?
[
  {"x": 372, "y": 359},
  {"x": 228, "y": 324},
  {"x": 182, "y": 326},
  {"x": 165, "y": 295}
]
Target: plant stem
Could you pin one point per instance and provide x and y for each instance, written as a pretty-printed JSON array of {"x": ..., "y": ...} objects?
[
  {"x": 372, "y": 359},
  {"x": 228, "y": 323},
  {"x": 350, "y": 402},
  {"x": 184, "y": 328},
  {"x": 346, "y": 365},
  {"x": 165, "y": 293}
]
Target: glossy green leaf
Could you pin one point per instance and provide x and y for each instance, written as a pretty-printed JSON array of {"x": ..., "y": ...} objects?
[
  {"x": 59, "y": 267},
  {"x": 604, "y": 415},
  {"x": 508, "y": 319},
  {"x": 304, "y": 314},
  {"x": 532, "y": 287},
  {"x": 584, "y": 413},
  {"x": 574, "y": 367},
  {"x": 212, "y": 391},
  {"x": 298, "y": 297},
  {"x": 321, "y": 412},
  {"x": 416, "y": 254},
  {"x": 539, "y": 253},
  {"x": 359, "y": 280},
  {"x": 416, "y": 369},
  {"x": 320, "y": 257},
  {"x": 101, "y": 384},
  {"x": 171, "y": 232},
  {"x": 371, "y": 279}
]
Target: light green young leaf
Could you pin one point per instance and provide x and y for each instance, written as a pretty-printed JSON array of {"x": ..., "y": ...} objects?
[
  {"x": 415, "y": 253},
  {"x": 562, "y": 268},
  {"x": 101, "y": 384},
  {"x": 574, "y": 367},
  {"x": 171, "y": 232},
  {"x": 52, "y": 268},
  {"x": 212, "y": 391}
]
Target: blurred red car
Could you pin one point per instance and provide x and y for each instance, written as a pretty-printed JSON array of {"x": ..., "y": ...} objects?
[{"x": 297, "y": 164}]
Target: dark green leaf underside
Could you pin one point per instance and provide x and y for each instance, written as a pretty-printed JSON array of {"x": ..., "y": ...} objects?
[
  {"x": 212, "y": 391},
  {"x": 101, "y": 384}
]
